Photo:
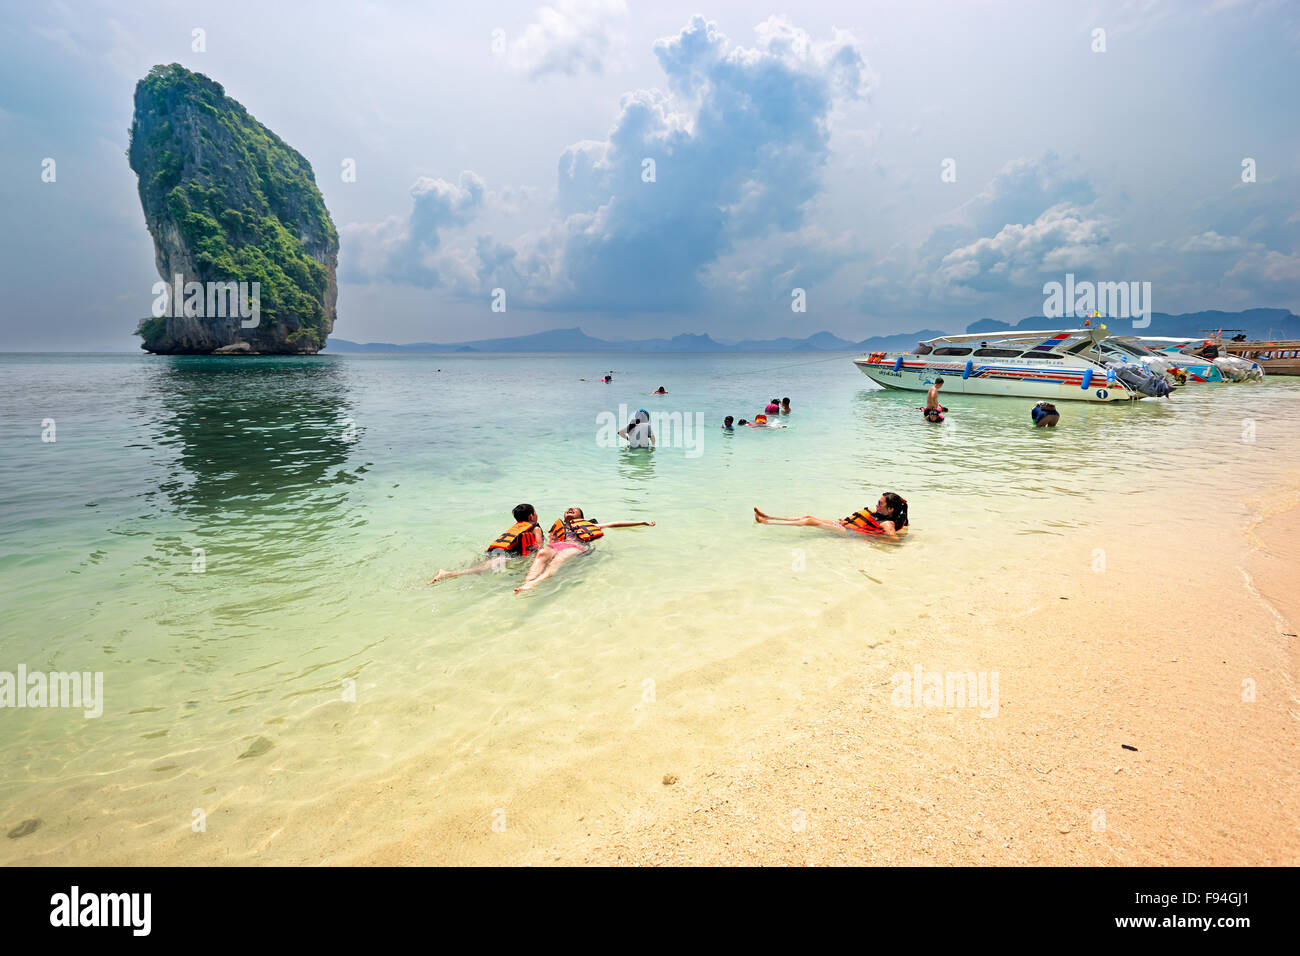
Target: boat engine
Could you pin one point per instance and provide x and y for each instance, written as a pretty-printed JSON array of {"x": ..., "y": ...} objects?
[
  {"x": 1238, "y": 369},
  {"x": 1140, "y": 379}
]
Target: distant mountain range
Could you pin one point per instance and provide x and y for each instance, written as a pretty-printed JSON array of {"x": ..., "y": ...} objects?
[{"x": 1256, "y": 323}]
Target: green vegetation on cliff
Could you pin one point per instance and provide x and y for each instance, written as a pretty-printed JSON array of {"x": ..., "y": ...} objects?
[{"x": 242, "y": 202}]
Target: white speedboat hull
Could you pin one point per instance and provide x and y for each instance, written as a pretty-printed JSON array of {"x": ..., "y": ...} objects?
[{"x": 1054, "y": 382}]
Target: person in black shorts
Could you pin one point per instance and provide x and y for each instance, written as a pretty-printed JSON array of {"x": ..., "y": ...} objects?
[{"x": 1045, "y": 415}]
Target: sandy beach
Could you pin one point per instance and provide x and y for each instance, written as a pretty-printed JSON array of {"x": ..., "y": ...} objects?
[{"x": 848, "y": 778}]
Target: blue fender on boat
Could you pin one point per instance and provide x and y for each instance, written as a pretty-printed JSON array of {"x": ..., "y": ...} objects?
[
  {"x": 970, "y": 367},
  {"x": 1087, "y": 379},
  {"x": 1110, "y": 376},
  {"x": 898, "y": 363}
]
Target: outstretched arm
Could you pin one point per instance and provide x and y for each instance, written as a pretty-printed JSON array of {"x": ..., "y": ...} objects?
[{"x": 625, "y": 524}]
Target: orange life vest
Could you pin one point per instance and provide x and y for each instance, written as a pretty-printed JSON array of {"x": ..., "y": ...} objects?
[
  {"x": 519, "y": 529},
  {"x": 579, "y": 529},
  {"x": 863, "y": 521}
]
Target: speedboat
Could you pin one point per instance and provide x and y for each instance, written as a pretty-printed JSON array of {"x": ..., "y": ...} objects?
[
  {"x": 1198, "y": 368},
  {"x": 1063, "y": 365},
  {"x": 1232, "y": 368}
]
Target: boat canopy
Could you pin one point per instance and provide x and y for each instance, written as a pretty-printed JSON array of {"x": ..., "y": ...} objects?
[{"x": 1096, "y": 333}]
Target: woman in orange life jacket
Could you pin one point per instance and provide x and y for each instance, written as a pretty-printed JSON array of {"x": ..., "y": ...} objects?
[
  {"x": 519, "y": 540},
  {"x": 571, "y": 535},
  {"x": 889, "y": 520}
]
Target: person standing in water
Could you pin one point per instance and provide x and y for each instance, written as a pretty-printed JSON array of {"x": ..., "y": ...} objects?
[
  {"x": 889, "y": 520},
  {"x": 520, "y": 540},
  {"x": 933, "y": 411},
  {"x": 932, "y": 397},
  {"x": 571, "y": 535},
  {"x": 785, "y": 406},
  {"x": 638, "y": 432}
]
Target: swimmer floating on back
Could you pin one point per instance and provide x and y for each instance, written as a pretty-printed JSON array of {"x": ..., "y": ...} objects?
[
  {"x": 889, "y": 520},
  {"x": 571, "y": 535},
  {"x": 519, "y": 540}
]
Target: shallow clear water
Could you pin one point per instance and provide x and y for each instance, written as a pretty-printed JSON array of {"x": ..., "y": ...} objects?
[{"x": 324, "y": 493}]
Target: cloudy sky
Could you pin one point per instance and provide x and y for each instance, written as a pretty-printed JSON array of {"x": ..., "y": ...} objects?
[{"x": 906, "y": 165}]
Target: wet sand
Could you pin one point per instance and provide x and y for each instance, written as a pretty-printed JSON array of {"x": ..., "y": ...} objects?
[{"x": 1085, "y": 673}]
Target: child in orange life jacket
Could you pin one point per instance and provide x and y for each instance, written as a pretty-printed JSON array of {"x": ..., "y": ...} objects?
[
  {"x": 571, "y": 535},
  {"x": 889, "y": 520},
  {"x": 519, "y": 540}
]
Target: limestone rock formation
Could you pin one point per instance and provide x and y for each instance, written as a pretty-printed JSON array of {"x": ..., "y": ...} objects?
[{"x": 228, "y": 202}]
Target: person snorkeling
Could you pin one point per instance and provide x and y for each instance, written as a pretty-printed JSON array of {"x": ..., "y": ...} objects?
[
  {"x": 519, "y": 540},
  {"x": 888, "y": 520},
  {"x": 572, "y": 534}
]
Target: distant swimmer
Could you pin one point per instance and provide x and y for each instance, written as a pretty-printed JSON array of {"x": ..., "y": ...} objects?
[
  {"x": 638, "y": 432},
  {"x": 933, "y": 411},
  {"x": 660, "y": 391},
  {"x": 519, "y": 540},
  {"x": 889, "y": 520},
  {"x": 773, "y": 407},
  {"x": 1045, "y": 415},
  {"x": 785, "y": 406},
  {"x": 571, "y": 535},
  {"x": 726, "y": 424}
]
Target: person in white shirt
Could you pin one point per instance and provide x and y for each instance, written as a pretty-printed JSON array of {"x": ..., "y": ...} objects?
[{"x": 638, "y": 432}]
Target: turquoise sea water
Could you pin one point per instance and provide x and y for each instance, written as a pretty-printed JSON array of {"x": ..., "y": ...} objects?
[{"x": 324, "y": 492}]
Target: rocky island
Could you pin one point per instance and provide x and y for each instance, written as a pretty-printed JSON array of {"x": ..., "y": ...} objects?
[{"x": 231, "y": 207}]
